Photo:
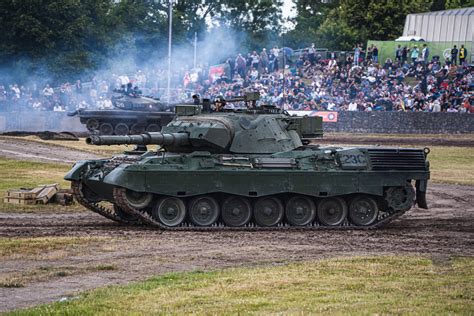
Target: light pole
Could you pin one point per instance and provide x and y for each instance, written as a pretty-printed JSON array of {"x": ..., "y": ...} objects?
[
  {"x": 195, "y": 48},
  {"x": 170, "y": 33}
]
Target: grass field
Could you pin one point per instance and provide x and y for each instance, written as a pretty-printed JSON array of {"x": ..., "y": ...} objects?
[
  {"x": 374, "y": 285},
  {"x": 15, "y": 174}
]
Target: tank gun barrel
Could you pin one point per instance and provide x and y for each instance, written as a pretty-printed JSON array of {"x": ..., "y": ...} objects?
[{"x": 151, "y": 138}]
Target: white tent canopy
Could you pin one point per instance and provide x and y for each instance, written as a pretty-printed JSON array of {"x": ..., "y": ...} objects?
[{"x": 441, "y": 26}]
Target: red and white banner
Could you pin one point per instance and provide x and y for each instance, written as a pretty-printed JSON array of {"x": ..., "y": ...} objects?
[
  {"x": 328, "y": 116},
  {"x": 215, "y": 72}
]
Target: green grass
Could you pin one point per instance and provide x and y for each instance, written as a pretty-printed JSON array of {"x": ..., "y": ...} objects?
[
  {"x": 27, "y": 247},
  {"x": 16, "y": 174},
  {"x": 452, "y": 164},
  {"x": 375, "y": 285}
]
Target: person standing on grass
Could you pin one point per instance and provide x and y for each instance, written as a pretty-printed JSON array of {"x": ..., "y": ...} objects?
[
  {"x": 375, "y": 54},
  {"x": 425, "y": 54},
  {"x": 454, "y": 55},
  {"x": 414, "y": 54},
  {"x": 398, "y": 54},
  {"x": 462, "y": 55}
]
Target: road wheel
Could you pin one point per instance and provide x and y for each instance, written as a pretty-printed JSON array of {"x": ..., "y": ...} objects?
[
  {"x": 106, "y": 129},
  {"x": 170, "y": 211},
  {"x": 137, "y": 129},
  {"x": 363, "y": 210},
  {"x": 332, "y": 211},
  {"x": 236, "y": 211},
  {"x": 121, "y": 129},
  {"x": 138, "y": 200},
  {"x": 204, "y": 211},
  {"x": 300, "y": 211},
  {"x": 153, "y": 128},
  {"x": 268, "y": 211},
  {"x": 92, "y": 124}
]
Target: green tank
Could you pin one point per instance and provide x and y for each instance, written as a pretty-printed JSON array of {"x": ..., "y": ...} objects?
[{"x": 249, "y": 169}]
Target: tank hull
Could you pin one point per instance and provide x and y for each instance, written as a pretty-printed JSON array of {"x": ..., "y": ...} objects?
[{"x": 382, "y": 180}]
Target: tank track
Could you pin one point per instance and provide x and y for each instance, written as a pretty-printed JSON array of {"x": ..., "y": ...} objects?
[
  {"x": 146, "y": 218},
  {"x": 97, "y": 208}
]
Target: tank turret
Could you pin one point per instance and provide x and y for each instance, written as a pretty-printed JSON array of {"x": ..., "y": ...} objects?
[{"x": 246, "y": 132}]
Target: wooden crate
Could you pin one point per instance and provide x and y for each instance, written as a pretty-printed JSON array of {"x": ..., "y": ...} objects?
[
  {"x": 26, "y": 194},
  {"x": 47, "y": 193},
  {"x": 19, "y": 201}
]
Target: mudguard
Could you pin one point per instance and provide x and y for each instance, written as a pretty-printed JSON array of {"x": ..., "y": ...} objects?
[
  {"x": 421, "y": 193},
  {"x": 77, "y": 170}
]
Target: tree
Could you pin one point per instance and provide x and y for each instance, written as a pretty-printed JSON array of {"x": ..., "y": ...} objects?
[
  {"x": 357, "y": 21},
  {"x": 63, "y": 36},
  {"x": 310, "y": 15},
  {"x": 256, "y": 22}
]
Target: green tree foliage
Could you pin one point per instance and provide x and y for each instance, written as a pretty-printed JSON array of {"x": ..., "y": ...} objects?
[
  {"x": 67, "y": 36},
  {"x": 310, "y": 15},
  {"x": 255, "y": 22},
  {"x": 455, "y": 4},
  {"x": 73, "y": 37}
]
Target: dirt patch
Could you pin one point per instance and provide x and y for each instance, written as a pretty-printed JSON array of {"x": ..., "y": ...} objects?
[
  {"x": 443, "y": 231},
  {"x": 35, "y": 151}
]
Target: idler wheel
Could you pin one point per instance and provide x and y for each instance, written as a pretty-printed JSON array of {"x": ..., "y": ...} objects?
[
  {"x": 268, "y": 211},
  {"x": 300, "y": 211},
  {"x": 121, "y": 129},
  {"x": 236, "y": 211},
  {"x": 106, "y": 129},
  {"x": 124, "y": 215},
  {"x": 92, "y": 124},
  {"x": 363, "y": 210},
  {"x": 153, "y": 128},
  {"x": 332, "y": 211},
  {"x": 169, "y": 211},
  {"x": 204, "y": 211},
  {"x": 400, "y": 198},
  {"x": 138, "y": 200},
  {"x": 137, "y": 129}
]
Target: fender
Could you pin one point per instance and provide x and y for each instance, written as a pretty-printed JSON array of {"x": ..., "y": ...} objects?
[
  {"x": 421, "y": 193},
  {"x": 77, "y": 170}
]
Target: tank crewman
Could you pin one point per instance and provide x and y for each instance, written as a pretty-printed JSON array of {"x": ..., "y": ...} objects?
[
  {"x": 128, "y": 90},
  {"x": 219, "y": 104},
  {"x": 136, "y": 92},
  {"x": 196, "y": 99}
]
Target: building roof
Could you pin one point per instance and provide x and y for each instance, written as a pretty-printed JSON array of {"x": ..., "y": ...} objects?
[{"x": 462, "y": 11}]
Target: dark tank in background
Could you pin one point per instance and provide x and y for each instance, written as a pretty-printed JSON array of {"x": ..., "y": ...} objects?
[
  {"x": 249, "y": 169},
  {"x": 130, "y": 115}
]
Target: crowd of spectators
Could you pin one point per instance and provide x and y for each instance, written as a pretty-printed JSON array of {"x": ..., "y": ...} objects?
[{"x": 309, "y": 80}]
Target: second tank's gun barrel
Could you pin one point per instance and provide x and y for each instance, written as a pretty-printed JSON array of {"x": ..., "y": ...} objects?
[{"x": 152, "y": 138}]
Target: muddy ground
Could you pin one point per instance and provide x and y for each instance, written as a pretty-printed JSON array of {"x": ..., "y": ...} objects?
[{"x": 133, "y": 253}]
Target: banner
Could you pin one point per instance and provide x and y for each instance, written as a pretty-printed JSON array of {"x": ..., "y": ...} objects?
[
  {"x": 328, "y": 116},
  {"x": 215, "y": 72}
]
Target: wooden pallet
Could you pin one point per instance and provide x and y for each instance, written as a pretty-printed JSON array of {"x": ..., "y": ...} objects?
[
  {"x": 11, "y": 200},
  {"x": 42, "y": 194}
]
